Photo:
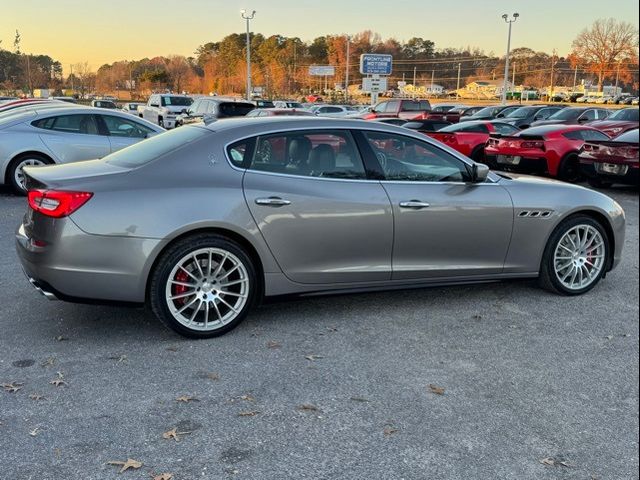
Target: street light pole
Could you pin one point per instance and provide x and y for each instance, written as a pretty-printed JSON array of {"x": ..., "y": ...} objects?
[
  {"x": 458, "y": 83},
  {"x": 505, "y": 17},
  {"x": 248, "y": 18},
  {"x": 346, "y": 74}
]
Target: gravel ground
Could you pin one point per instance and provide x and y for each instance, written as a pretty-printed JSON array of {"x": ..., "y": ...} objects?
[{"x": 536, "y": 386}]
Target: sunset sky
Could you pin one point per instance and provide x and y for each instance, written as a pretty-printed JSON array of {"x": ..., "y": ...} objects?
[{"x": 101, "y": 31}]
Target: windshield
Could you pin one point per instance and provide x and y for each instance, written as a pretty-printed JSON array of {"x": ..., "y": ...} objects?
[
  {"x": 522, "y": 112},
  {"x": 294, "y": 105},
  {"x": 486, "y": 111},
  {"x": 630, "y": 136},
  {"x": 177, "y": 101},
  {"x": 565, "y": 114},
  {"x": 144, "y": 152},
  {"x": 627, "y": 114}
]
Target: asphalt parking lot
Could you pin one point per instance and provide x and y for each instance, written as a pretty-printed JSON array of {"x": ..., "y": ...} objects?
[{"x": 497, "y": 381}]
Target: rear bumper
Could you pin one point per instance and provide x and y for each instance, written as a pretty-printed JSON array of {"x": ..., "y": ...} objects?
[
  {"x": 76, "y": 266},
  {"x": 524, "y": 165},
  {"x": 592, "y": 170}
]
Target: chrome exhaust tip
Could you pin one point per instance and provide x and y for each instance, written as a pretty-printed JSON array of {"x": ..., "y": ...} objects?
[{"x": 46, "y": 293}]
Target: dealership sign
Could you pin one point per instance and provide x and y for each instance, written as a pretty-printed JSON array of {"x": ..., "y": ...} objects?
[
  {"x": 375, "y": 64},
  {"x": 322, "y": 70}
]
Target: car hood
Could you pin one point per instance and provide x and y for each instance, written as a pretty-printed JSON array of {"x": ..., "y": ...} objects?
[
  {"x": 518, "y": 178},
  {"x": 55, "y": 176}
]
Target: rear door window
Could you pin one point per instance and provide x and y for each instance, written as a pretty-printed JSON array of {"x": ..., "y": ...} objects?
[
  {"x": 325, "y": 154},
  {"x": 81, "y": 123}
]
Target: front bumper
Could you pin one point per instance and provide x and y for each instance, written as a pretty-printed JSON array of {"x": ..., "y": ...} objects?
[{"x": 76, "y": 266}]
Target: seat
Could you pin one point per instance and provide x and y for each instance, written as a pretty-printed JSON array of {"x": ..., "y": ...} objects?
[
  {"x": 298, "y": 161},
  {"x": 88, "y": 125},
  {"x": 322, "y": 160}
]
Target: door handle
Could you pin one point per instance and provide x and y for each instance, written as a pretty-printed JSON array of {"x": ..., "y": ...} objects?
[
  {"x": 272, "y": 202},
  {"x": 414, "y": 204}
]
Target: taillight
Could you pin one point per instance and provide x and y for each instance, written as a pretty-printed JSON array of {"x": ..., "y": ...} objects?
[
  {"x": 532, "y": 144},
  {"x": 57, "y": 203},
  {"x": 588, "y": 147}
]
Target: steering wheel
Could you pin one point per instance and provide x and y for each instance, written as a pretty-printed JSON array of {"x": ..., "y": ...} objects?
[{"x": 382, "y": 158}]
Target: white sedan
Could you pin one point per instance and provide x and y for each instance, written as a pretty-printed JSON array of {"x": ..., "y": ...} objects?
[
  {"x": 335, "y": 111},
  {"x": 62, "y": 135}
]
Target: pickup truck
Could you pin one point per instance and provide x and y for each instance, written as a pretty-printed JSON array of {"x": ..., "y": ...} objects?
[
  {"x": 405, "y": 109},
  {"x": 164, "y": 108}
]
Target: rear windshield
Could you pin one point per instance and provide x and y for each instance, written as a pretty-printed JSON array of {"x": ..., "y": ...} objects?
[
  {"x": 178, "y": 101},
  {"x": 235, "y": 109},
  {"x": 565, "y": 114},
  {"x": 631, "y": 137},
  {"x": 627, "y": 114},
  {"x": 148, "y": 150}
]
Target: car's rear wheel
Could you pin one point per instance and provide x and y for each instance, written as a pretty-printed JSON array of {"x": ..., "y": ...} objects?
[
  {"x": 15, "y": 171},
  {"x": 203, "y": 286},
  {"x": 569, "y": 170},
  {"x": 576, "y": 256}
]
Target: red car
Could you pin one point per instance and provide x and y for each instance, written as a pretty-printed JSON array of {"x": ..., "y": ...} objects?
[
  {"x": 549, "y": 149},
  {"x": 621, "y": 121},
  {"x": 469, "y": 138},
  {"x": 406, "y": 109},
  {"x": 23, "y": 101},
  {"x": 612, "y": 161}
]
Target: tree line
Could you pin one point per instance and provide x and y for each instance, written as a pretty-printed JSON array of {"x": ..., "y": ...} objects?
[{"x": 604, "y": 52}]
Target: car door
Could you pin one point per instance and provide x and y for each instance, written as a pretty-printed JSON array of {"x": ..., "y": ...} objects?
[
  {"x": 73, "y": 137},
  {"x": 123, "y": 132},
  {"x": 323, "y": 220},
  {"x": 445, "y": 226}
]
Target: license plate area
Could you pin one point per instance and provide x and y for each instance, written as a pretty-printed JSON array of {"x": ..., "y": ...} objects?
[
  {"x": 612, "y": 168},
  {"x": 509, "y": 159}
]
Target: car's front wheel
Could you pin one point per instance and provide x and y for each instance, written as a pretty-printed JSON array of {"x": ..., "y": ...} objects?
[
  {"x": 576, "y": 256},
  {"x": 203, "y": 286}
]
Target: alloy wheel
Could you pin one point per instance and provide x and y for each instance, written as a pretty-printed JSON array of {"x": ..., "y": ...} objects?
[
  {"x": 579, "y": 257},
  {"x": 19, "y": 175}
]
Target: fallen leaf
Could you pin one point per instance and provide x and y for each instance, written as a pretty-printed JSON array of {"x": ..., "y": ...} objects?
[
  {"x": 60, "y": 338},
  {"x": 272, "y": 344},
  {"x": 130, "y": 463},
  {"x": 12, "y": 387},
  {"x": 36, "y": 397},
  {"x": 172, "y": 349},
  {"x": 57, "y": 382},
  {"x": 389, "y": 430},
  {"x": 187, "y": 399},
  {"x": 49, "y": 362},
  {"x": 249, "y": 414},
  {"x": 173, "y": 433},
  {"x": 332, "y": 329},
  {"x": 308, "y": 407},
  {"x": 247, "y": 398},
  {"x": 34, "y": 432},
  {"x": 119, "y": 358},
  {"x": 313, "y": 357},
  {"x": 435, "y": 389},
  {"x": 213, "y": 376},
  {"x": 163, "y": 476},
  {"x": 609, "y": 337},
  {"x": 358, "y": 399},
  {"x": 553, "y": 462}
]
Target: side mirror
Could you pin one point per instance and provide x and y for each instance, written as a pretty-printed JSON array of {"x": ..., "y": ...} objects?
[
  {"x": 500, "y": 115},
  {"x": 479, "y": 173},
  {"x": 583, "y": 120},
  {"x": 154, "y": 105}
]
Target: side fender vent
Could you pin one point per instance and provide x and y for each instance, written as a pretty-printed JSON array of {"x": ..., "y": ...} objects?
[{"x": 535, "y": 213}]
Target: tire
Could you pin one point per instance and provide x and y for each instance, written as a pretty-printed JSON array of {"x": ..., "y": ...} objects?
[
  {"x": 161, "y": 122},
  {"x": 598, "y": 183},
  {"x": 14, "y": 174},
  {"x": 173, "y": 302},
  {"x": 477, "y": 155},
  {"x": 569, "y": 169},
  {"x": 553, "y": 278}
]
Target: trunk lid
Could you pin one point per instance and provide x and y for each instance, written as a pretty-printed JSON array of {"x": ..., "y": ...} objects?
[{"x": 66, "y": 174}]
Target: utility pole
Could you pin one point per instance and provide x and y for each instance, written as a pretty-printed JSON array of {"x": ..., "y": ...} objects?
[
  {"x": 415, "y": 69},
  {"x": 513, "y": 76},
  {"x": 433, "y": 72},
  {"x": 346, "y": 73},
  {"x": 505, "y": 17},
  {"x": 458, "y": 84},
  {"x": 553, "y": 64},
  {"x": 575, "y": 79},
  {"x": 617, "y": 76},
  {"x": 72, "y": 79},
  {"x": 248, "y": 18}
]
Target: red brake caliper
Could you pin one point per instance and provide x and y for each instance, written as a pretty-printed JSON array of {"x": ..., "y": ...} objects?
[{"x": 182, "y": 277}]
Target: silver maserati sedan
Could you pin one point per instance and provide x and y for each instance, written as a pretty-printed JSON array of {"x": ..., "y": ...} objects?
[
  {"x": 203, "y": 222},
  {"x": 48, "y": 134}
]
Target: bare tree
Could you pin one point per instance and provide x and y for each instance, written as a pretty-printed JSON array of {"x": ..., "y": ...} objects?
[
  {"x": 86, "y": 77},
  {"x": 601, "y": 46}
]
